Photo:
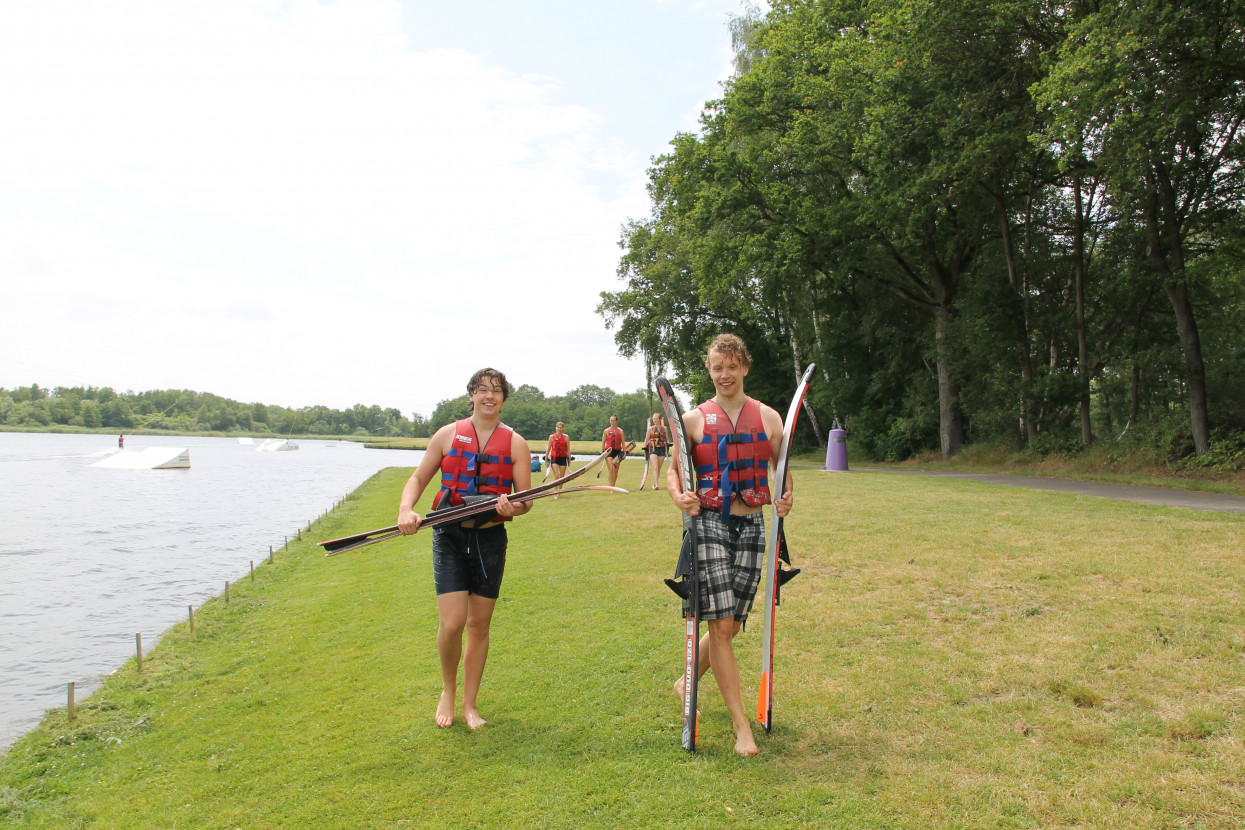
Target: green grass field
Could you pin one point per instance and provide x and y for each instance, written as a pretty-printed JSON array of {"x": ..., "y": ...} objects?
[{"x": 954, "y": 655}]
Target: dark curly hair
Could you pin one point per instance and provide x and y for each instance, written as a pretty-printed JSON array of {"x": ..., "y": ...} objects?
[{"x": 477, "y": 380}]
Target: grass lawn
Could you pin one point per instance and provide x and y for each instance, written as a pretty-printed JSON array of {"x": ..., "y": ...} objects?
[{"x": 954, "y": 655}]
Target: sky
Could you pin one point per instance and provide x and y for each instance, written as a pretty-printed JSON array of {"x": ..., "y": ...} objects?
[{"x": 302, "y": 202}]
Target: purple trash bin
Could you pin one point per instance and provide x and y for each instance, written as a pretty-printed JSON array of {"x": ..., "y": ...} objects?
[{"x": 836, "y": 451}]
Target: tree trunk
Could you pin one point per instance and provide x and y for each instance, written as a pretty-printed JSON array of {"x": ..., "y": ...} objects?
[
  {"x": 1082, "y": 338},
  {"x": 1028, "y": 425},
  {"x": 797, "y": 360},
  {"x": 950, "y": 418},
  {"x": 1195, "y": 370},
  {"x": 1165, "y": 252}
]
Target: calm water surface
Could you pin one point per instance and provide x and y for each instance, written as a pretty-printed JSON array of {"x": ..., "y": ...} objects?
[{"x": 90, "y": 556}]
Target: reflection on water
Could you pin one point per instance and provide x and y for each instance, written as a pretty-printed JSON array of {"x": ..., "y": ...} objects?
[{"x": 90, "y": 556}]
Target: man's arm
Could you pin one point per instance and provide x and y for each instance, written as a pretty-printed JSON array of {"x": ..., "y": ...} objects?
[
  {"x": 408, "y": 519},
  {"x": 783, "y": 497},
  {"x": 522, "y": 478},
  {"x": 689, "y": 503}
]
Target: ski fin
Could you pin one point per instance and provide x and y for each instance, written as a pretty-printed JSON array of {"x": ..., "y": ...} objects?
[
  {"x": 682, "y": 587},
  {"x": 785, "y": 575},
  {"x": 687, "y": 553}
]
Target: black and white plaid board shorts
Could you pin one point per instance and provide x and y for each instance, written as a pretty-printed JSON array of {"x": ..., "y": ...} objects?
[{"x": 731, "y": 552}]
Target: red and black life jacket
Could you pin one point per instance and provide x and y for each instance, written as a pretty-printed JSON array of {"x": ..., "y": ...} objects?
[
  {"x": 657, "y": 436},
  {"x": 468, "y": 470},
  {"x": 560, "y": 445},
  {"x": 732, "y": 458},
  {"x": 613, "y": 438}
]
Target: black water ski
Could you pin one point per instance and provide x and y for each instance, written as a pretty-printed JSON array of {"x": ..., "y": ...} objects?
[
  {"x": 458, "y": 513},
  {"x": 686, "y": 582},
  {"x": 775, "y": 576}
]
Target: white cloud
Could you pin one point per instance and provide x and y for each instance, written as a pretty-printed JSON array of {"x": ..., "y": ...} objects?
[{"x": 192, "y": 192}]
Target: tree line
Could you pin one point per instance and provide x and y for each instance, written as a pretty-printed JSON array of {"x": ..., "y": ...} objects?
[
  {"x": 1015, "y": 221},
  {"x": 184, "y": 410},
  {"x": 585, "y": 412}
]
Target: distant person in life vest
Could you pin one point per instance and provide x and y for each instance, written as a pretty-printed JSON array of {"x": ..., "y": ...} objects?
[
  {"x": 477, "y": 455},
  {"x": 614, "y": 441},
  {"x": 558, "y": 451},
  {"x": 735, "y": 441},
  {"x": 657, "y": 442}
]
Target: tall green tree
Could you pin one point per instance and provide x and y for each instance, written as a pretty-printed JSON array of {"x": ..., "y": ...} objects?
[{"x": 1160, "y": 85}]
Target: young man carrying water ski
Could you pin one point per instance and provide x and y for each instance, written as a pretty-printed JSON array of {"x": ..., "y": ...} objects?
[
  {"x": 477, "y": 455},
  {"x": 657, "y": 443},
  {"x": 735, "y": 441},
  {"x": 615, "y": 441},
  {"x": 558, "y": 451}
]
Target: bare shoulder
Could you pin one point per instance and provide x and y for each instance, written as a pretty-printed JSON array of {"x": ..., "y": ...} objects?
[
  {"x": 771, "y": 420},
  {"x": 442, "y": 438},
  {"x": 518, "y": 445},
  {"x": 694, "y": 424}
]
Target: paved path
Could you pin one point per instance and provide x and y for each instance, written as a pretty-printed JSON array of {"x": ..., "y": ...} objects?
[{"x": 1189, "y": 499}]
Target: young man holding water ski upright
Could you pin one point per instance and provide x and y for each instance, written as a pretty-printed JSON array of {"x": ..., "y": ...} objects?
[
  {"x": 735, "y": 441},
  {"x": 476, "y": 455}
]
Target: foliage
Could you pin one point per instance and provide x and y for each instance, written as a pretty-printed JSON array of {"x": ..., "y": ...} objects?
[
  {"x": 1018, "y": 221},
  {"x": 585, "y": 412},
  {"x": 183, "y": 410}
]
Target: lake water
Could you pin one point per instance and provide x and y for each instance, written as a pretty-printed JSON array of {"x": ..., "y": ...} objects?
[{"x": 90, "y": 556}]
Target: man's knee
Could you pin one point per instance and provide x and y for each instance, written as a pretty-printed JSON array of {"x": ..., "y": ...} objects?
[{"x": 725, "y": 628}]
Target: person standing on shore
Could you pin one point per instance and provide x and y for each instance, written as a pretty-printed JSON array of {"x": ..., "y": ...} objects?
[
  {"x": 735, "y": 441},
  {"x": 558, "y": 451},
  {"x": 657, "y": 442},
  {"x": 476, "y": 455},
  {"x": 614, "y": 441}
]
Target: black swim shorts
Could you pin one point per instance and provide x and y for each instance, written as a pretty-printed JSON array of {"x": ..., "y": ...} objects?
[{"x": 469, "y": 559}]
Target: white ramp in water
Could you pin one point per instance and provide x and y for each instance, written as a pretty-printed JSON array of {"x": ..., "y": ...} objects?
[
  {"x": 277, "y": 445},
  {"x": 151, "y": 458},
  {"x": 245, "y": 439}
]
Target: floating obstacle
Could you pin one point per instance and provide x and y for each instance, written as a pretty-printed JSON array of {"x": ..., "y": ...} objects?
[{"x": 151, "y": 458}]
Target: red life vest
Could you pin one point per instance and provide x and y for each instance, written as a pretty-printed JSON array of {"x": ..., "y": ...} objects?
[
  {"x": 741, "y": 451},
  {"x": 657, "y": 436},
  {"x": 613, "y": 438},
  {"x": 560, "y": 445},
  {"x": 469, "y": 470}
]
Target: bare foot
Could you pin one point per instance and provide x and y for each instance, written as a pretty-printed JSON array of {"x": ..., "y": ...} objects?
[
  {"x": 679, "y": 689},
  {"x": 745, "y": 745},
  {"x": 445, "y": 710},
  {"x": 475, "y": 720}
]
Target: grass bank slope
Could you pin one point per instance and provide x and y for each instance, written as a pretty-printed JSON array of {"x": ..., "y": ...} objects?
[{"x": 954, "y": 655}]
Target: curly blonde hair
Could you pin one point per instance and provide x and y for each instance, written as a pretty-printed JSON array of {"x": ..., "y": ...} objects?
[{"x": 730, "y": 344}]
